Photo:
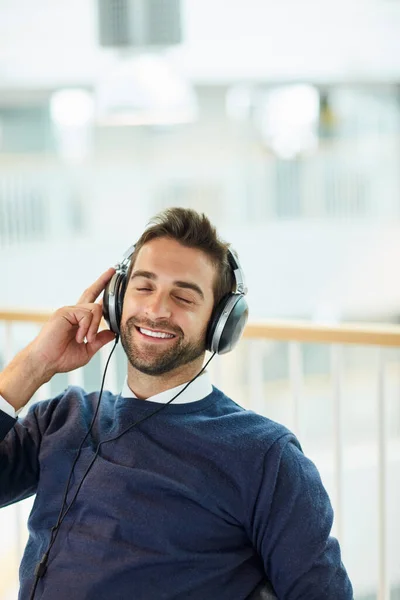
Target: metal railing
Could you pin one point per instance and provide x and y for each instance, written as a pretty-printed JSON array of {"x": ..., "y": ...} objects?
[{"x": 244, "y": 372}]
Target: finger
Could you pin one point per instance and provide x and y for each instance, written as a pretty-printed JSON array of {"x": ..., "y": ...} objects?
[
  {"x": 88, "y": 318},
  {"x": 96, "y": 309},
  {"x": 84, "y": 322},
  {"x": 102, "y": 338},
  {"x": 94, "y": 325},
  {"x": 94, "y": 291}
]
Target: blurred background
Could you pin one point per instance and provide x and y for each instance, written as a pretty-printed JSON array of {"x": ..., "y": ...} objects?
[{"x": 280, "y": 121}]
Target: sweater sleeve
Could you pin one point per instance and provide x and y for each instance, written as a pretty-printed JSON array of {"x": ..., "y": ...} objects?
[
  {"x": 290, "y": 527},
  {"x": 6, "y": 423},
  {"x": 19, "y": 451}
]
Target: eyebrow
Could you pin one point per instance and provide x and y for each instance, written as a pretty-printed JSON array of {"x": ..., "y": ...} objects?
[{"x": 188, "y": 285}]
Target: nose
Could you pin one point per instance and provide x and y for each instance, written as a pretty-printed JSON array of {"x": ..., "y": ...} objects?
[{"x": 158, "y": 306}]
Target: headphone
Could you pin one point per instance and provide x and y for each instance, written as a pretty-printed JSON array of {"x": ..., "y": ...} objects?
[{"x": 227, "y": 321}]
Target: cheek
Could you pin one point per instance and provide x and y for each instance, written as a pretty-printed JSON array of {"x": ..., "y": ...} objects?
[
  {"x": 208, "y": 312},
  {"x": 200, "y": 320},
  {"x": 130, "y": 308}
]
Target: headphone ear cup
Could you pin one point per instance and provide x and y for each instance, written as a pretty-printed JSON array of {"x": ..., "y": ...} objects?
[
  {"x": 212, "y": 325},
  {"x": 106, "y": 301},
  {"x": 120, "y": 294},
  {"x": 227, "y": 324},
  {"x": 113, "y": 299}
]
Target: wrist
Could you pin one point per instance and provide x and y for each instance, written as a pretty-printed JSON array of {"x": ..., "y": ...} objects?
[
  {"x": 36, "y": 368},
  {"x": 22, "y": 378}
]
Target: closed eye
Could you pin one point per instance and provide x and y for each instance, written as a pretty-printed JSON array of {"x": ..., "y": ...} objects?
[{"x": 184, "y": 300}]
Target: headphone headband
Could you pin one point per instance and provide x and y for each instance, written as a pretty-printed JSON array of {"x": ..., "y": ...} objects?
[
  {"x": 237, "y": 272},
  {"x": 123, "y": 266}
]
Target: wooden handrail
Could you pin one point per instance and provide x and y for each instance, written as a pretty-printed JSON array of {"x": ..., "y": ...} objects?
[
  {"x": 301, "y": 331},
  {"x": 343, "y": 333},
  {"x": 28, "y": 316}
]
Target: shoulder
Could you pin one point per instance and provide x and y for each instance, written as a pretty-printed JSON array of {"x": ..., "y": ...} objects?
[
  {"x": 66, "y": 406},
  {"x": 271, "y": 453},
  {"x": 249, "y": 432}
]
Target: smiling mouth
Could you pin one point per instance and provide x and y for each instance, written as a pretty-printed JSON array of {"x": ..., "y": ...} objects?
[{"x": 158, "y": 335}]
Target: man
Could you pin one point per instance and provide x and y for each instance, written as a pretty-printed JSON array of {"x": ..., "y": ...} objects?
[{"x": 194, "y": 499}]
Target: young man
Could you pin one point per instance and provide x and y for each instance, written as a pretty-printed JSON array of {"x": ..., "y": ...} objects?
[{"x": 195, "y": 499}]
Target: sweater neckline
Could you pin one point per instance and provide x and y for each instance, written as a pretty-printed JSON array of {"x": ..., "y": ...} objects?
[{"x": 143, "y": 406}]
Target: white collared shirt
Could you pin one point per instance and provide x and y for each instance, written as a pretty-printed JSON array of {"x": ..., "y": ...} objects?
[
  {"x": 7, "y": 408},
  {"x": 198, "y": 389}
]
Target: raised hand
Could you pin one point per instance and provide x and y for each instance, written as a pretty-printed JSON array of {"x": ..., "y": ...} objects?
[{"x": 68, "y": 340}]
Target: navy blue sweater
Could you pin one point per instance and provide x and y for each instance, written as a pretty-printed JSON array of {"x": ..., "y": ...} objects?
[{"x": 200, "y": 501}]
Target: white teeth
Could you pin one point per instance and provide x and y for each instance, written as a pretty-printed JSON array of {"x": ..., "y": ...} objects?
[{"x": 157, "y": 334}]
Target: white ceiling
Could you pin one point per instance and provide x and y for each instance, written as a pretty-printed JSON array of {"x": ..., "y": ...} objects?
[{"x": 50, "y": 43}]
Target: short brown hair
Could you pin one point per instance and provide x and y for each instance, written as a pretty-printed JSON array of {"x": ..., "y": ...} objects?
[{"x": 193, "y": 230}]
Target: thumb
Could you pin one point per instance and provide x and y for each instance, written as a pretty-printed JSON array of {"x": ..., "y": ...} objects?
[{"x": 102, "y": 338}]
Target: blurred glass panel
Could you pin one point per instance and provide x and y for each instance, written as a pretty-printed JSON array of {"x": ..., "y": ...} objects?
[{"x": 25, "y": 130}]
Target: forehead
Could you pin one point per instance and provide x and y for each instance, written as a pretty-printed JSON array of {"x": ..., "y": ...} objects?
[{"x": 167, "y": 258}]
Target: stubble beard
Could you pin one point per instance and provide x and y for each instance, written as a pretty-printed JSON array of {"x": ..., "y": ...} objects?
[{"x": 179, "y": 354}]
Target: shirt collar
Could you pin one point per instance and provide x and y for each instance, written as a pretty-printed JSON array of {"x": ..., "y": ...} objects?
[{"x": 197, "y": 390}]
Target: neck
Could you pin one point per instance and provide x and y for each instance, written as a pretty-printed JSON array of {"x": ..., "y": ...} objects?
[{"x": 144, "y": 386}]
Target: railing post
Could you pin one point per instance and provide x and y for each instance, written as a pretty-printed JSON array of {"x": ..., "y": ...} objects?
[
  {"x": 43, "y": 393},
  {"x": 296, "y": 382},
  {"x": 256, "y": 376},
  {"x": 383, "y": 591},
  {"x": 336, "y": 370},
  {"x": 110, "y": 382},
  {"x": 8, "y": 354},
  {"x": 76, "y": 377}
]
